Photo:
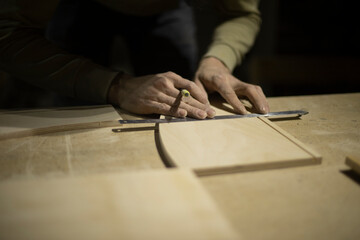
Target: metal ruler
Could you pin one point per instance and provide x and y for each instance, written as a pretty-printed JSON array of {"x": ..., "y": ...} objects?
[{"x": 296, "y": 113}]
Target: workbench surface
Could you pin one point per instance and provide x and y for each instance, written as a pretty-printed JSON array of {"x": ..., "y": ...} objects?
[{"x": 312, "y": 202}]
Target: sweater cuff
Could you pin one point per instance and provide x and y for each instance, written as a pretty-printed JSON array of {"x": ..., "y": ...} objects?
[
  {"x": 94, "y": 84},
  {"x": 224, "y": 53}
]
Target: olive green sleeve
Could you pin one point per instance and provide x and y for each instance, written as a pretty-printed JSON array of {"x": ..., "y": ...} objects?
[
  {"x": 234, "y": 37},
  {"x": 26, "y": 54}
]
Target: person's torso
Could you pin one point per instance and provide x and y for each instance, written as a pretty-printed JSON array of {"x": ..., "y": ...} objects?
[{"x": 140, "y": 7}]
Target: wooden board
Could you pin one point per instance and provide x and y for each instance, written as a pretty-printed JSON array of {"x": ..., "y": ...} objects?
[
  {"x": 315, "y": 202},
  {"x": 354, "y": 163},
  {"x": 162, "y": 204},
  {"x": 212, "y": 147},
  {"x": 41, "y": 121}
]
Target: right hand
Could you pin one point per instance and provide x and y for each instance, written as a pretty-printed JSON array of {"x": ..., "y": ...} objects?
[
  {"x": 157, "y": 94},
  {"x": 213, "y": 75}
]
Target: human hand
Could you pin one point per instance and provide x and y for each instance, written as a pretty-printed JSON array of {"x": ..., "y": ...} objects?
[
  {"x": 157, "y": 94},
  {"x": 213, "y": 75}
]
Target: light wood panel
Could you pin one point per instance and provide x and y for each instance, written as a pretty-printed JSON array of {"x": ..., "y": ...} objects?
[
  {"x": 317, "y": 201},
  {"x": 40, "y": 121},
  {"x": 211, "y": 147},
  {"x": 78, "y": 152},
  {"x": 354, "y": 163},
  {"x": 313, "y": 202},
  {"x": 163, "y": 204}
]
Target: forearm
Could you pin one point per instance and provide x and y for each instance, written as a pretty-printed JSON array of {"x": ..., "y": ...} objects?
[
  {"x": 27, "y": 55},
  {"x": 234, "y": 37}
]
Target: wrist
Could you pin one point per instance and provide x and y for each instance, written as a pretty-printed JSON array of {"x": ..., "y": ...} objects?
[
  {"x": 213, "y": 62},
  {"x": 115, "y": 89}
]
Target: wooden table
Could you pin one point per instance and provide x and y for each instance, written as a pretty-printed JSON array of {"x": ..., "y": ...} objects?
[{"x": 313, "y": 202}]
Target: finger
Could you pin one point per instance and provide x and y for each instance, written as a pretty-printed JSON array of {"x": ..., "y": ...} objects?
[
  {"x": 194, "y": 90},
  {"x": 230, "y": 96},
  {"x": 258, "y": 100},
  {"x": 192, "y": 110},
  {"x": 174, "y": 93},
  {"x": 165, "y": 109},
  {"x": 261, "y": 93},
  {"x": 201, "y": 86},
  {"x": 210, "y": 112}
]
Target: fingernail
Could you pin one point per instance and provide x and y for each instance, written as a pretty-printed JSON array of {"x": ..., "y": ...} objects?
[
  {"x": 202, "y": 114},
  {"x": 242, "y": 111},
  {"x": 182, "y": 113},
  {"x": 211, "y": 113}
]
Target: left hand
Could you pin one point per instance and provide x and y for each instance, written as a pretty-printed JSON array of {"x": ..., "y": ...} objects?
[
  {"x": 157, "y": 93},
  {"x": 213, "y": 75}
]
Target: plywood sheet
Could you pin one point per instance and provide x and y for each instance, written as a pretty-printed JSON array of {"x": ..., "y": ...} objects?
[
  {"x": 162, "y": 204},
  {"x": 40, "y": 121},
  {"x": 354, "y": 163},
  {"x": 211, "y": 147}
]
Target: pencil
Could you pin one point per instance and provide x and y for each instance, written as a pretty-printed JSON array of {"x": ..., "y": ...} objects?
[{"x": 185, "y": 93}]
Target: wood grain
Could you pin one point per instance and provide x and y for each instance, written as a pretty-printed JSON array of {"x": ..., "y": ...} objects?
[
  {"x": 312, "y": 202},
  {"x": 41, "y": 121},
  {"x": 212, "y": 147},
  {"x": 316, "y": 201},
  {"x": 163, "y": 204}
]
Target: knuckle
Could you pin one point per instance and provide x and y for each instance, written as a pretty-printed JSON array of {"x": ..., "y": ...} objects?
[
  {"x": 252, "y": 86},
  {"x": 191, "y": 86},
  {"x": 219, "y": 80},
  {"x": 219, "y": 77},
  {"x": 254, "y": 90},
  {"x": 162, "y": 82},
  {"x": 226, "y": 91},
  {"x": 249, "y": 88},
  {"x": 160, "y": 75},
  {"x": 257, "y": 87},
  {"x": 170, "y": 74}
]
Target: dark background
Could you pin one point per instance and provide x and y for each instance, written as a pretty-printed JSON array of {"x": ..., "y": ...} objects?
[{"x": 304, "y": 47}]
